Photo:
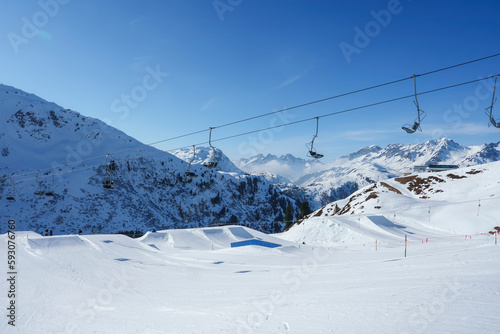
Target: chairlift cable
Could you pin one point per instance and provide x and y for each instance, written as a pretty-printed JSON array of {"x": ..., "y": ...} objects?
[
  {"x": 270, "y": 113},
  {"x": 458, "y": 65},
  {"x": 359, "y": 90},
  {"x": 262, "y": 129}
]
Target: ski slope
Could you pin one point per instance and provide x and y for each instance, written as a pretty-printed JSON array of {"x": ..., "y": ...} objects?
[
  {"x": 192, "y": 281},
  {"x": 424, "y": 205}
]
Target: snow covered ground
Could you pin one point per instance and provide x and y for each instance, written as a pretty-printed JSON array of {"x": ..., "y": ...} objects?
[{"x": 192, "y": 281}]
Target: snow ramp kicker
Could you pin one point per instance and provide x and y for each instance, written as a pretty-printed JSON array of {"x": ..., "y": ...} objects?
[{"x": 210, "y": 238}]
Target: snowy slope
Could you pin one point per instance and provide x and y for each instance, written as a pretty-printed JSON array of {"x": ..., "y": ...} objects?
[
  {"x": 151, "y": 190},
  {"x": 462, "y": 201},
  {"x": 113, "y": 284}
]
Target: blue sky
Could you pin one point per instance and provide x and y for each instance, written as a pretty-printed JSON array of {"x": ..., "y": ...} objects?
[{"x": 160, "y": 69}]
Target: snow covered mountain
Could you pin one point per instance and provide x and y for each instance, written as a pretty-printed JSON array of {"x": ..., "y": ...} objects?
[
  {"x": 203, "y": 155},
  {"x": 326, "y": 182},
  {"x": 286, "y": 166},
  {"x": 462, "y": 201},
  {"x": 150, "y": 188},
  {"x": 370, "y": 164}
]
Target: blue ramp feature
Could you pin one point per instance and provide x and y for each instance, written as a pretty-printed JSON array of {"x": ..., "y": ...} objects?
[{"x": 254, "y": 242}]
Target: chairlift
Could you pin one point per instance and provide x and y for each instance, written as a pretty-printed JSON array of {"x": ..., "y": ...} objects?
[
  {"x": 211, "y": 164},
  {"x": 10, "y": 197},
  {"x": 108, "y": 184},
  {"x": 421, "y": 114},
  {"x": 311, "y": 151},
  {"x": 40, "y": 191},
  {"x": 50, "y": 193},
  {"x": 489, "y": 110},
  {"x": 189, "y": 173}
]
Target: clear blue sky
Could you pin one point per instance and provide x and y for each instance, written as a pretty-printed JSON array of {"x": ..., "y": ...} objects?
[{"x": 249, "y": 57}]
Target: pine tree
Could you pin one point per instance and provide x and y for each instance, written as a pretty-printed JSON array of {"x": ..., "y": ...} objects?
[
  {"x": 233, "y": 220},
  {"x": 288, "y": 217},
  {"x": 304, "y": 210}
]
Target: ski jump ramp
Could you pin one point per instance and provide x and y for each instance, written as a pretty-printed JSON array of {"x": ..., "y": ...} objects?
[{"x": 210, "y": 238}]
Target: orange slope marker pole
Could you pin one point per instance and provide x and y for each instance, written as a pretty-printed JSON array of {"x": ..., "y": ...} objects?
[{"x": 406, "y": 243}]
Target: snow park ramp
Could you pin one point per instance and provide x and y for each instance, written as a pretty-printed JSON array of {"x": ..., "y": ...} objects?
[
  {"x": 254, "y": 242},
  {"x": 219, "y": 237},
  {"x": 385, "y": 224},
  {"x": 179, "y": 239},
  {"x": 64, "y": 241},
  {"x": 240, "y": 232}
]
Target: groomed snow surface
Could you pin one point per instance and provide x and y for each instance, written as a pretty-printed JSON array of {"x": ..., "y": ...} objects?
[{"x": 192, "y": 281}]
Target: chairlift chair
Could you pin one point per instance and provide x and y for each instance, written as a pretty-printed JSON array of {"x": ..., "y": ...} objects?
[
  {"x": 421, "y": 114},
  {"x": 50, "y": 193},
  {"x": 315, "y": 155},
  {"x": 40, "y": 191},
  {"x": 310, "y": 146},
  {"x": 109, "y": 183},
  {"x": 413, "y": 128},
  {"x": 188, "y": 173},
  {"x": 211, "y": 164},
  {"x": 489, "y": 110},
  {"x": 10, "y": 197},
  {"x": 191, "y": 175}
]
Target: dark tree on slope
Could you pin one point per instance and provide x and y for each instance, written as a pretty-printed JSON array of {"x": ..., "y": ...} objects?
[
  {"x": 304, "y": 210},
  {"x": 288, "y": 217},
  {"x": 337, "y": 209},
  {"x": 233, "y": 220}
]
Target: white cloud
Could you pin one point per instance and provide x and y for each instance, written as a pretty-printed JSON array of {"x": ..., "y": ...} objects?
[
  {"x": 208, "y": 104},
  {"x": 369, "y": 134},
  {"x": 290, "y": 81},
  {"x": 469, "y": 129}
]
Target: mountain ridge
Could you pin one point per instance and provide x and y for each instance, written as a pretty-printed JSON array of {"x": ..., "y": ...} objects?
[
  {"x": 150, "y": 191},
  {"x": 338, "y": 178}
]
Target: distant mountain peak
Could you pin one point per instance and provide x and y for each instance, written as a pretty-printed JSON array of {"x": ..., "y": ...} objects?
[{"x": 286, "y": 165}]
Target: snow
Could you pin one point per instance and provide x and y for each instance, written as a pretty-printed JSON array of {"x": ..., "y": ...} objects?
[
  {"x": 172, "y": 282},
  {"x": 333, "y": 273},
  {"x": 324, "y": 182}
]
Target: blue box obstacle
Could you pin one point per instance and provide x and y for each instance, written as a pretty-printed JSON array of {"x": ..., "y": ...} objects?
[{"x": 254, "y": 242}]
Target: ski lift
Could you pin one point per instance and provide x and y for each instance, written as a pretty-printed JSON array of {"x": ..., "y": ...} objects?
[
  {"x": 489, "y": 110},
  {"x": 189, "y": 173},
  {"x": 40, "y": 191},
  {"x": 421, "y": 114},
  {"x": 10, "y": 197},
  {"x": 50, "y": 193},
  {"x": 311, "y": 151},
  {"x": 108, "y": 184},
  {"x": 211, "y": 164}
]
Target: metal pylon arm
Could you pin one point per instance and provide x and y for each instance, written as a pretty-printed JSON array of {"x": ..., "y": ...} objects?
[
  {"x": 420, "y": 113},
  {"x": 489, "y": 110},
  {"x": 310, "y": 146}
]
